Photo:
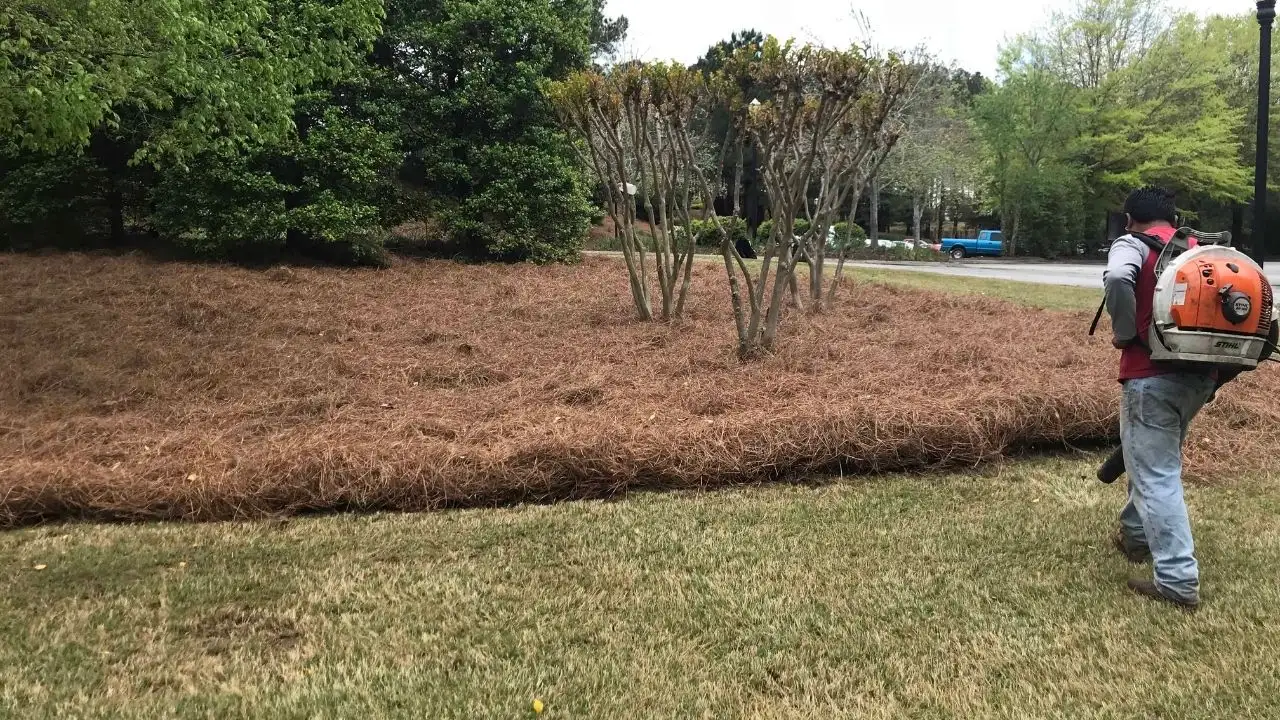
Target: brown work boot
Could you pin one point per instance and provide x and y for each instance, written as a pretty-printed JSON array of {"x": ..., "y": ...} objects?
[
  {"x": 1149, "y": 590},
  {"x": 1134, "y": 554}
]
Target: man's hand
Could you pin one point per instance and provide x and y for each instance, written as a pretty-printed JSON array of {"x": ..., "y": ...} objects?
[{"x": 1119, "y": 344}]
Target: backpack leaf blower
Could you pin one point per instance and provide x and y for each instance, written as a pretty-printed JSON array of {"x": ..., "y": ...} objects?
[{"x": 1213, "y": 308}]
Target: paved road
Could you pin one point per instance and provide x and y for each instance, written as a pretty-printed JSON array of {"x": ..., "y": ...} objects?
[{"x": 1078, "y": 275}]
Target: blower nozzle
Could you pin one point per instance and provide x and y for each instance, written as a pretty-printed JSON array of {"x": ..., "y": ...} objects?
[{"x": 1113, "y": 468}]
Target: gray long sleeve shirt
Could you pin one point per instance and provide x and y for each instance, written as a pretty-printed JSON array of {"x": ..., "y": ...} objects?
[{"x": 1124, "y": 265}]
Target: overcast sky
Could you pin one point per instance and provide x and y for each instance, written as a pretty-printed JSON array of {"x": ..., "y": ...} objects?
[{"x": 968, "y": 33}]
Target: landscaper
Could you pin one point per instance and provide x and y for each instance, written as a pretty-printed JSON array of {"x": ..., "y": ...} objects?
[{"x": 1158, "y": 404}]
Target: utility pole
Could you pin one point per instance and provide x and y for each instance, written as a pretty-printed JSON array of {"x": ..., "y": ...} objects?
[{"x": 1266, "y": 18}]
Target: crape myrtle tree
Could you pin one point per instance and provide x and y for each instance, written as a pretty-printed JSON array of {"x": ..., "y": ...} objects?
[
  {"x": 633, "y": 123},
  {"x": 821, "y": 123},
  {"x": 826, "y": 122}
]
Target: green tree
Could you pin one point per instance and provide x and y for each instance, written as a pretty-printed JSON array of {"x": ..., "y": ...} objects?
[
  {"x": 311, "y": 125},
  {"x": 1028, "y": 126},
  {"x": 1163, "y": 119},
  {"x": 1113, "y": 95},
  {"x": 152, "y": 92},
  {"x": 1095, "y": 38},
  {"x": 328, "y": 191},
  {"x": 936, "y": 154},
  {"x": 728, "y": 62},
  {"x": 967, "y": 86},
  {"x": 480, "y": 138},
  {"x": 1234, "y": 41},
  {"x": 607, "y": 33},
  {"x": 224, "y": 73}
]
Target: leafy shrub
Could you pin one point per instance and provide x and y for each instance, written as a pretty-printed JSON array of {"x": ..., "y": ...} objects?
[
  {"x": 763, "y": 231},
  {"x": 221, "y": 206},
  {"x": 50, "y": 199},
  {"x": 347, "y": 231},
  {"x": 350, "y": 161},
  {"x": 532, "y": 206},
  {"x": 737, "y": 228},
  {"x": 329, "y": 194},
  {"x": 707, "y": 235},
  {"x": 848, "y": 238},
  {"x": 924, "y": 253}
]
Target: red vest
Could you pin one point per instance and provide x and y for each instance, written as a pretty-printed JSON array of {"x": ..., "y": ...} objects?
[{"x": 1135, "y": 361}]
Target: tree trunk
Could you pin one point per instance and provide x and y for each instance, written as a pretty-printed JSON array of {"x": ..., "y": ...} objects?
[
  {"x": 663, "y": 258},
  {"x": 1116, "y": 223},
  {"x": 753, "y": 203},
  {"x": 735, "y": 295},
  {"x": 115, "y": 205},
  {"x": 917, "y": 214},
  {"x": 784, "y": 281},
  {"x": 737, "y": 180},
  {"x": 1011, "y": 237},
  {"x": 843, "y": 244},
  {"x": 875, "y": 212},
  {"x": 817, "y": 268},
  {"x": 942, "y": 215},
  {"x": 112, "y": 154},
  {"x": 624, "y": 229},
  {"x": 689, "y": 250}
]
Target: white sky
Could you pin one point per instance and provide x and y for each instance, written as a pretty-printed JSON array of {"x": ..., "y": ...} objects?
[{"x": 969, "y": 33}]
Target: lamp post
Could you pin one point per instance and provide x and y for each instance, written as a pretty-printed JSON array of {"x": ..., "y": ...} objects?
[{"x": 1266, "y": 18}]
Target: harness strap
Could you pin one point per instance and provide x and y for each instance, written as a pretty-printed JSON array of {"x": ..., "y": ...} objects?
[
  {"x": 1093, "y": 329},
  {"x": 1151, "y": 242}
]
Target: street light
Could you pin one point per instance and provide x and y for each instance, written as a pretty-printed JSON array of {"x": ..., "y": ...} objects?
[{"x": 1266, "y": 17}]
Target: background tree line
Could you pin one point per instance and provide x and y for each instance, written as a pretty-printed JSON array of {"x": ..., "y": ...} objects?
[
  {"x": 242, "y": 128},
  {"x": 1113, "y": 95},
  {"x": 1110, "y": 95}
]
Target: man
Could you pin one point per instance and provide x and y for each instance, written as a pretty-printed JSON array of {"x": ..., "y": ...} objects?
[{"x": 1159, "y": 402}]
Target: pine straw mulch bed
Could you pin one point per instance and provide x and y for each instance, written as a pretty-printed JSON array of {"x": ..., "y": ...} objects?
[{"x": 139, "y": 390}]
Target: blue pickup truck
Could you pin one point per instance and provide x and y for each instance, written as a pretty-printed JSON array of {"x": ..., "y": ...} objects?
[{"x": 988, "y": 242}]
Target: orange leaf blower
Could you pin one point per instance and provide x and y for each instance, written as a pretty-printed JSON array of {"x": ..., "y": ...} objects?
[{"x": 1213, "y": 306}]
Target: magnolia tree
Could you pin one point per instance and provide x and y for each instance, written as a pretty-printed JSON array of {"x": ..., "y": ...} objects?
[
  {"x": 823, "y": 124},
  {"x": 633, "y": 126}
]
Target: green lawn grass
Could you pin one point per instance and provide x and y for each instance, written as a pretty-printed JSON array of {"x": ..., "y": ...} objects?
[
  {"x": 1049, "y": 297},
  {"x": 966, "y": 595}
]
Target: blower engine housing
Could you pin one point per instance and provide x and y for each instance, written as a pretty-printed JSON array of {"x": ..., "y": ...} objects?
[{"x": 1213, "y": 304}]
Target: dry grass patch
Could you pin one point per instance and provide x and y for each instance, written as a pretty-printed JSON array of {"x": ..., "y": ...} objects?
[
  {"x": 144, "y": 390},
  {"x": 993, "y": 595}
]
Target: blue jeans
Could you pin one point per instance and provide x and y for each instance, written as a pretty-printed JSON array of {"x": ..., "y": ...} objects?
[{"x": 1154, "y": 418}]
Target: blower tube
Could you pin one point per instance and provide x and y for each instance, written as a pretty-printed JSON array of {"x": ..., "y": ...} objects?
[{"x": 1113, "y": 468}]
